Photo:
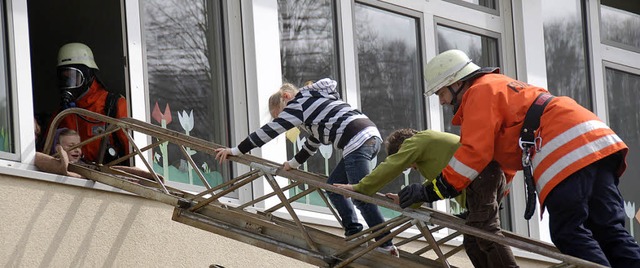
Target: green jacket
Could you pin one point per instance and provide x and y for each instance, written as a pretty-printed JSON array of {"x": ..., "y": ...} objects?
[{"x": 430, "y": 150}]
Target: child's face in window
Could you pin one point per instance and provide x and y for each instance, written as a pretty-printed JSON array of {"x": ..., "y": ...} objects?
[{"x": 67, "y": 142}]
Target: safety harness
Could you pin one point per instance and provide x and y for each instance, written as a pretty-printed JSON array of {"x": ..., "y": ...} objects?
[{"x": 528, "y": 143}]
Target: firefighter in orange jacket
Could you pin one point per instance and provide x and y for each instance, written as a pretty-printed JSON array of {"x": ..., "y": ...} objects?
[
  {"x": 576, "y": 158},
  {"x": 80, "y": 87}
]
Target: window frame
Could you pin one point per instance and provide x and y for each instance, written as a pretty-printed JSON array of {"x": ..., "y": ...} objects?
[{"x": 482, "y": 8}]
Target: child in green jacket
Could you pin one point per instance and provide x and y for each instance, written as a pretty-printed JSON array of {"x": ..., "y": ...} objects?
[{"x": 429, "y": 152}]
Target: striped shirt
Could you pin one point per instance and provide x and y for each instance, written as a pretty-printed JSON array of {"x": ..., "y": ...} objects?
[{"x": 318, "y": 110}]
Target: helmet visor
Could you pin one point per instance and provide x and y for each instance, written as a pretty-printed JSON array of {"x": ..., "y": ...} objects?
[{"x": 70, "y": 77}]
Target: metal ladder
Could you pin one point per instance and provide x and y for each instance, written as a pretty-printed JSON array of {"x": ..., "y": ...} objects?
[{"x": 287, "y": 234}]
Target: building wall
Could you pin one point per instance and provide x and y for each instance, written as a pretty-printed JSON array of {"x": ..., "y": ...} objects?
[
  {"x": 73, "y": 224},
  {"x": 48, "y": 224}
]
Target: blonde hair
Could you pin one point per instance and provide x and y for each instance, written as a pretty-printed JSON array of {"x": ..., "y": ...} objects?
[{"x": 277, "y": 101}]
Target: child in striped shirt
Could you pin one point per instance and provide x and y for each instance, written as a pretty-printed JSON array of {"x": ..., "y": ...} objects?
[{"x": 318, "y": 109}]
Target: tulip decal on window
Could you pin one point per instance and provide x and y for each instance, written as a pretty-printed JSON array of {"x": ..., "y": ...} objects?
[
  {"x": 326, "y": 151},
  {"x": 164, "y": 119},
  {"x": 630, "y": 209},
  {"x": 406, "y": 177},
  {"x": 186, "y": 121}
]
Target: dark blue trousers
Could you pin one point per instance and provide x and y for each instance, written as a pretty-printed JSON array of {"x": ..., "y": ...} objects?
[{"x": 586, "y": 217}]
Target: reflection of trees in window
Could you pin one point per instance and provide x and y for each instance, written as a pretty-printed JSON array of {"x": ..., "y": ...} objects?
[
  {"x": 389, "y": 73},
  {"x": 482, "y": 50},
  {"x": 565, "y": 52},
  {"x": 623, "y": 100},
  {"x": 307, "y": 40},
  {"x": 185, "y": 69},
  {"x": 620, "y": 26},
  {"x": 308, "y": 53}
]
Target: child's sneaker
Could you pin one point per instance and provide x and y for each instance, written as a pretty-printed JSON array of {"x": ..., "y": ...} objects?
[{"x": 391, "y": 250}]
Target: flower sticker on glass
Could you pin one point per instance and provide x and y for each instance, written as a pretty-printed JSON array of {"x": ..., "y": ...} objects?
[
  {"x": 186, "y": 120},
  {"x": 164, "y": 119},
  {"x": 630, "y": 209}
]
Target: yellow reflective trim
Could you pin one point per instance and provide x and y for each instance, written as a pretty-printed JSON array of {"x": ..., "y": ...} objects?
[{"x": 435, "y": 189}]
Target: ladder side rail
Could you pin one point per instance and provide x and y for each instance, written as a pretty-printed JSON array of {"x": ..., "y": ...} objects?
[{"x": 422, "y": 214}]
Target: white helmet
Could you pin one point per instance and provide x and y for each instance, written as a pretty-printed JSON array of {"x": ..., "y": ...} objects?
[
  {"x": 447, "y": 68},
  {"x": 76, "y": 53}
]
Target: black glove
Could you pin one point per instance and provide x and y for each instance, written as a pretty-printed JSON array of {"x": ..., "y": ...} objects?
[{"x": 416, "y": 192}]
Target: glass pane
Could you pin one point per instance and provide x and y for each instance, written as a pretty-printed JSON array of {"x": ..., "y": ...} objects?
[
  {"x": 482, "y": 50},
  {"x": 564, "y": 35},
  {"x": 620, "y": 26},
  {"x": 186, "y": 81},
  {"x": 390, "y": 75},
  {"x": 6, "y": 130},
  {"x": 307, "y": 40},
  {"x": 308, "y": 53},
  {"x": 623, "y": 100},
  {"x": 485, "y": 3}
]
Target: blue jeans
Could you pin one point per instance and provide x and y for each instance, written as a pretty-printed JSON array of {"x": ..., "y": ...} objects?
[
  {"x": 586, "y": 217},
  {"x": 350, "y": 170}
]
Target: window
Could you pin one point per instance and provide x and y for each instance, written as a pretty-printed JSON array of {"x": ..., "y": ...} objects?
[
  {"x": 6, "y": 129},
  {"x": 390, "y": 75},
  {"x": 186, "y": 76},
  {"x": 565, "y": 50},
  {"x": 623, "y": 99},
  {"x": 307, "y": 40},
  {"x": 308, "y": 52},
  {"x": 482, "y": 50},
  {"x": 620, "y": 27}
]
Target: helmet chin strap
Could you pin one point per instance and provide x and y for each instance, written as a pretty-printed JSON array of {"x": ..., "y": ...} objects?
[{"x": 454, "y": 96}]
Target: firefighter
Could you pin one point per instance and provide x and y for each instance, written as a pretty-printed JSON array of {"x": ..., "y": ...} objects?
[
  {"x": 573, "y": 158},
  {"x": 80, "y": 87}
]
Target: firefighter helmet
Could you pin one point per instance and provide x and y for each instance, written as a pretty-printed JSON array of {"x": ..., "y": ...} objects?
[
  {"x": 76, "y": 53},
  {"x": 447, "y": 68}
]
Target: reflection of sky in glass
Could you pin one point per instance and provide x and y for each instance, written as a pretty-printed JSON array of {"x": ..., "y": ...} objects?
[
  {"x": 388, "y": 25},
  {"x": 459, "y": 40},
  {"x": 620, "y": 26},
  {"x": 563, "y": 9}
]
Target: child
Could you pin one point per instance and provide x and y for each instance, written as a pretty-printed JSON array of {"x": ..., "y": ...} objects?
[
  {"x": 318, "y": 110},
  {"x": 65, "y": 139},
  {"x": 54, "y": 165},
  {"x": 429, "y": 152}
]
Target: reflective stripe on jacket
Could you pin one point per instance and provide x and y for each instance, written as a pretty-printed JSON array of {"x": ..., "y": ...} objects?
[{"x": 491, "y": 115}]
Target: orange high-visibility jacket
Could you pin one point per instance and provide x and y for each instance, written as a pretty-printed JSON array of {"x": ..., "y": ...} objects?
[
  {"x": 94, "y": 100},
  {"x": 491, "y": 115}
]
